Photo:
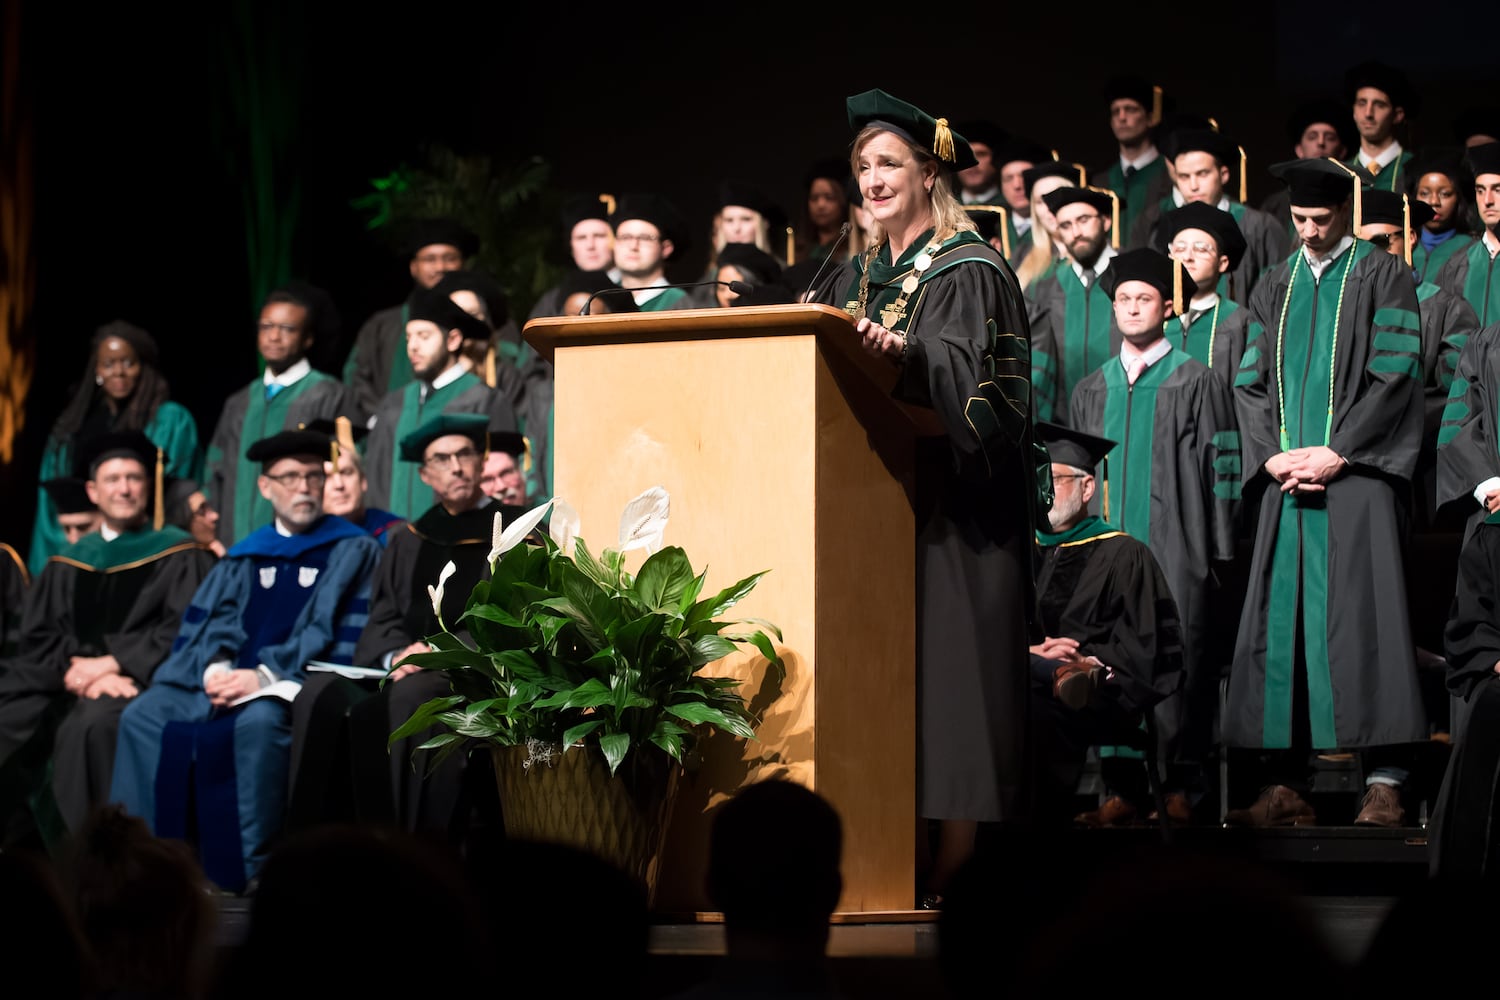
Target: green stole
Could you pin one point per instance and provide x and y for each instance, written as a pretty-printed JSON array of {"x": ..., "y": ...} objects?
[
  {"x": 1085, "y": 343},
  {"x": 1198, "y": 344},
  {"x": 666, "y": 300},
  {"x": 1480, "y": 285},
  {"x": 1428, "y": 264},
  {"x": 1304, "y": 346},
  {"x": 1132, "y": 191},
  {"x": 262, "y": 419},
  {"x": 410, "y": 497},
  {"x": 1087, "y": 530},
  {"x": 1386, "y": 179},
  {"x": 93, "y": 553},
  {"x": 1130, "y": 419}
]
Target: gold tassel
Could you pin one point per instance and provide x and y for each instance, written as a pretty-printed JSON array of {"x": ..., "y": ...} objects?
[
  {"x": 526, "y": 457},
  {"x": 1114, "y": 214},
  {"x": 609, "y": 203},
  {"x": 1213, "y": 124},
  {"x": 489, "y": 367},
  {"x": 1244, "y": 190},
  {"x": 791, "y": 246},
  {"x": 344, "y": 432},
  {"x": 1177, "y": 288},
  {"x": 1104, "y": 487},
  {"x": 942, "y": 141},
  {"x": 1055, "y": 157},
  {"x": 1359, "y": 209},
  {"x": 1005, "y": 233},
  {"x": 1155, "y": 105},
  {"x": 1083, "y": 175},
  {"x": 159, "y": 516},
  {"x": 1406, "y": 227}
]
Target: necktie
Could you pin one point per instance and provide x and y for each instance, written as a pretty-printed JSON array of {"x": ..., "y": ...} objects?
[
  {"x": 272, "y": 388},
  {"x": 1087, "y": 278},
  {"x": 1129, "y": 172},
  {"x": 1372, "y": 167},
  {"x": 1133, "y": 372}
]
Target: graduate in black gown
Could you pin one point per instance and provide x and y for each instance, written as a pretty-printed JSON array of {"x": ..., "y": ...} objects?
[
  {"x": 935, "y": 301},
  {"x": 100, "y": 619},
  {"x": 1111, "y": 646}
]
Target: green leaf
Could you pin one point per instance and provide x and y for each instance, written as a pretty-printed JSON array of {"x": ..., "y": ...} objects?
[
  {"x": 614, "y": 746},
  {"x": 725, "y": 599},
  {"x": 762, "y": 642},
  {"x": 768, "y": 626},
  {"x": 424, "y": 716},
  {"x": 713, "y": 647},
  {"x": 575, "y": 733},
  {"x": 663, "y": 578},
  {"x": 492, "y": 613}
]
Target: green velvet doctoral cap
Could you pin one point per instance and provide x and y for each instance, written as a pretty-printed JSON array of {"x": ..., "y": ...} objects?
[
  {"x": 435, "y": 306},
  {"x": 881, "y": 110},
  {"x": 759, "y": 267},
  {"x": 486, "y": 288},
  {"x": 1156, "y": 269},
  {"x": 1485, "y": 159},
  {"x": 1047, "y": 168},
  {"x": 290, "y": 444},
  {"x": 658, "y": 211},
  {"x": 1388, "y": 207},
  {"x": 69, "y": 495},
  {"x": 438, "y": 232},
  {"x": 1385, "y": 78},
  {"x": 1212, "y": 220},
  {"x": 115, "y": 444},
  {"x": 1067, "y": 446},
  {"x": 1320, "y": 182},
  {"x": 474, "y": 426},
  {"x": 1064, "y": 196}
]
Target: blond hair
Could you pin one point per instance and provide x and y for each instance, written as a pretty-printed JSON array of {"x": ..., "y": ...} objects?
[
  {"x": 1043, "y": 243},
  {"x": 948, "y": 215}
]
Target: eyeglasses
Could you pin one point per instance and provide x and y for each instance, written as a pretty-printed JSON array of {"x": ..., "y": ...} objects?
[
  {"x": 1076, "y": 223},
  {"x": 291, "y": 480},
  {"x": 441, "y": 459},
  {"x": 1201, "y": 250},
  {"x": 1071, "y": 475},
  {"x": 266, "y": 326},
  {"x": 636, "y": 238},
  {"x": 1383, "y": 240}
]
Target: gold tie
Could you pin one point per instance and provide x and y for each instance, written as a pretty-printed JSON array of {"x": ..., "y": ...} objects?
[{"x": 1373, "y": 168}]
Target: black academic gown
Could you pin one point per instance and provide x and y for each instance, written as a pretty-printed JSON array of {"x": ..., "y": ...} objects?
[
  {"x": 967, "y": 360},
  {"x": 124, "y": 598},
  {"x": 1475, "y": 275},
  {"x": 1105, "y": 589},
  {"x": 1073, "y": 332},
  {"x": 1447, "y": 324},
  {"x": 1328, "y": 569},
  {"x": 1215, "y": 336},
  {"x": 1173, "y": 483},
  {"x": 377, "y": 363},
  {"x": 14, "y": 583},
  {"x": 1266, "y": 244},
  {"x": 1468, "y": 440},
  {"x": 1464, "y": 837}
]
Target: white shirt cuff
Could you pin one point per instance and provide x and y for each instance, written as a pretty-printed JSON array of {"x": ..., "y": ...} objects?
[
  {"x": 266, "y": 677},
  {"x": 1492, "y": 483}
]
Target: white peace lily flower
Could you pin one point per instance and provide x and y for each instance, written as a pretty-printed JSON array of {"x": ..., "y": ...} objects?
[
  {"x": 508, "y": 538},
  {"x": 564, "y": 525},
  {"x": 436, "y": 593},
  {"x": 644, "y": 521}
]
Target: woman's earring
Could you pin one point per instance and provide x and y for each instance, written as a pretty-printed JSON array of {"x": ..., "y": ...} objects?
[{"x": 98, "y": 379}]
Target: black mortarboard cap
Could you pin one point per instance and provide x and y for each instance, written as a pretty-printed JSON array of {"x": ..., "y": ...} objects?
[
  {"x": 734, "y": 192},
  {"x": 985, "y": 131},
  {"x": 482, "y": 285},
  {"x": 1320, "y": 182},
  {"x": 1067, "y": 446},
  {"x": 1385, "y": 78},
  {"x": 876, "y": 107},
  {"x": 579, "y": 207},
  {"x": 759, "y": 267},
  {"x": 1212, "y": 220},
  {"x": 655, "y": 209},
  {"x": 1018, "y": 149},
  {"x": 1064, "y": 196},
  {"x": 474, "y": 426},
  {"x": 1155, "y": 268},
  {"x": 1134, "y": 88},
  {"x": 286, "y": 444},
  {"x": 345, "y": 432},
  {"x": 1445, "y": 160},
  {"x": 1484, "y": 158},
  {"x": 438, "y": 231},
  {"x": 1047, "y": 168},
  {"x": 1476, "y": 121},
  {"x": 1388, "y": 207},
  {"x": 114, "y": 444},
  {"x": 435, "y": 306},
  {"x": 989, "y": 220},
  {"x": 1191, "y": 140},
  {"x": 513, "y": 443},
  {"x": 1326, "y": 111},
  {"x": 69, "y": 495},
  {"x": 833, "y": 168}
]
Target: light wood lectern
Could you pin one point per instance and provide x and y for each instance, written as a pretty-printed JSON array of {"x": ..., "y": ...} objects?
[{"x": 778, "y": 442}]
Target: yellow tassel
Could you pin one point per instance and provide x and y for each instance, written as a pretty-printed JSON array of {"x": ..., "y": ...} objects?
[
  {"x": 1177, "y": 287},
  {"x": 157, "y": 518},
  {"x": 1104, "y": 488},
  {"x": 1083, "y": 175},
  {"x": 1155, "y": 105},
  {"x": 1005, "y": 233},
  {"x": 1406, "y": 227},
  {"x": 942, "y": 141},
  {"x": 1114, "y": 214},
  {"x": 1213, "y": 124},
  {"x": 1359, "y": 211},
  {"x": 1244, "y": 190},
  {"x": 344, "y": 432},
  {"x": 489, "y": 367},
  {"x": 1056, "y": 158},
  {"x": 609, "y": 203}
]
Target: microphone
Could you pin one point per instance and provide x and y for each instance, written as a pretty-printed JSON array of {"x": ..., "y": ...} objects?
[
  {"x": 843, "y": 231},
  {"x": 737, "y": 287}
]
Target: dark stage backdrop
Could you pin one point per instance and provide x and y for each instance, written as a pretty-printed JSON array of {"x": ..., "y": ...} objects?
[{"x": 142, "y": 168}]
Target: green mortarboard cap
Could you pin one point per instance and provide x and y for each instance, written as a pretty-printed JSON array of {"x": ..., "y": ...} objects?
[
  {"x": 879, "y": 109},
  {"x": 1212, "y": 220},
  {"x": 734, "y": 192},
  {"x": 474, "y": 426},
  {"x": 287, "y": 444},
  {"x": 1485, "y": 158},
  {"x": 1067, "y": 446},
  {"x": 1192, "y": 140},
  {"x": 580, "y": 207},
  {"x": 989, "y": 220}
]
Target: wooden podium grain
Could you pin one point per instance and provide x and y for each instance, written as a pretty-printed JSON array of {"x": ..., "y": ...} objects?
[{"x": 781, "y": 449}]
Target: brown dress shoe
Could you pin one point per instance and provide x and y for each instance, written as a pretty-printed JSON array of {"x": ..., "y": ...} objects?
[
  {"x": 1114, "y": 811},
  {"x": 1179, "y": 810},
  {"x": 1278, "y": 805},
  {"x": 1075, "y": 684},
  {"x": 1381, "y": 807}
]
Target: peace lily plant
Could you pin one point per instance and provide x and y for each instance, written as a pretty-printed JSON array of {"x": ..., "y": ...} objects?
[{"x": 559, "y": 648}]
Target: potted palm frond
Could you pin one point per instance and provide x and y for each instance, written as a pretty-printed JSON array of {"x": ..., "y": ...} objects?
[{"x": 587, "y": 682}]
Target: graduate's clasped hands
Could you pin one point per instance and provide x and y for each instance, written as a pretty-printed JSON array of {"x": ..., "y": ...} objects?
[{"x": 1305, "y": 471}]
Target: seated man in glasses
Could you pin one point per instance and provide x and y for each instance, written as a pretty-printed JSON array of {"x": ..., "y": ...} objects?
[{"x": 203, "y": 734}]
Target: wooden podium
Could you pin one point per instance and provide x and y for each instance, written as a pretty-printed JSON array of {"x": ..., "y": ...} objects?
[{"x": 778, "y": 442}]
